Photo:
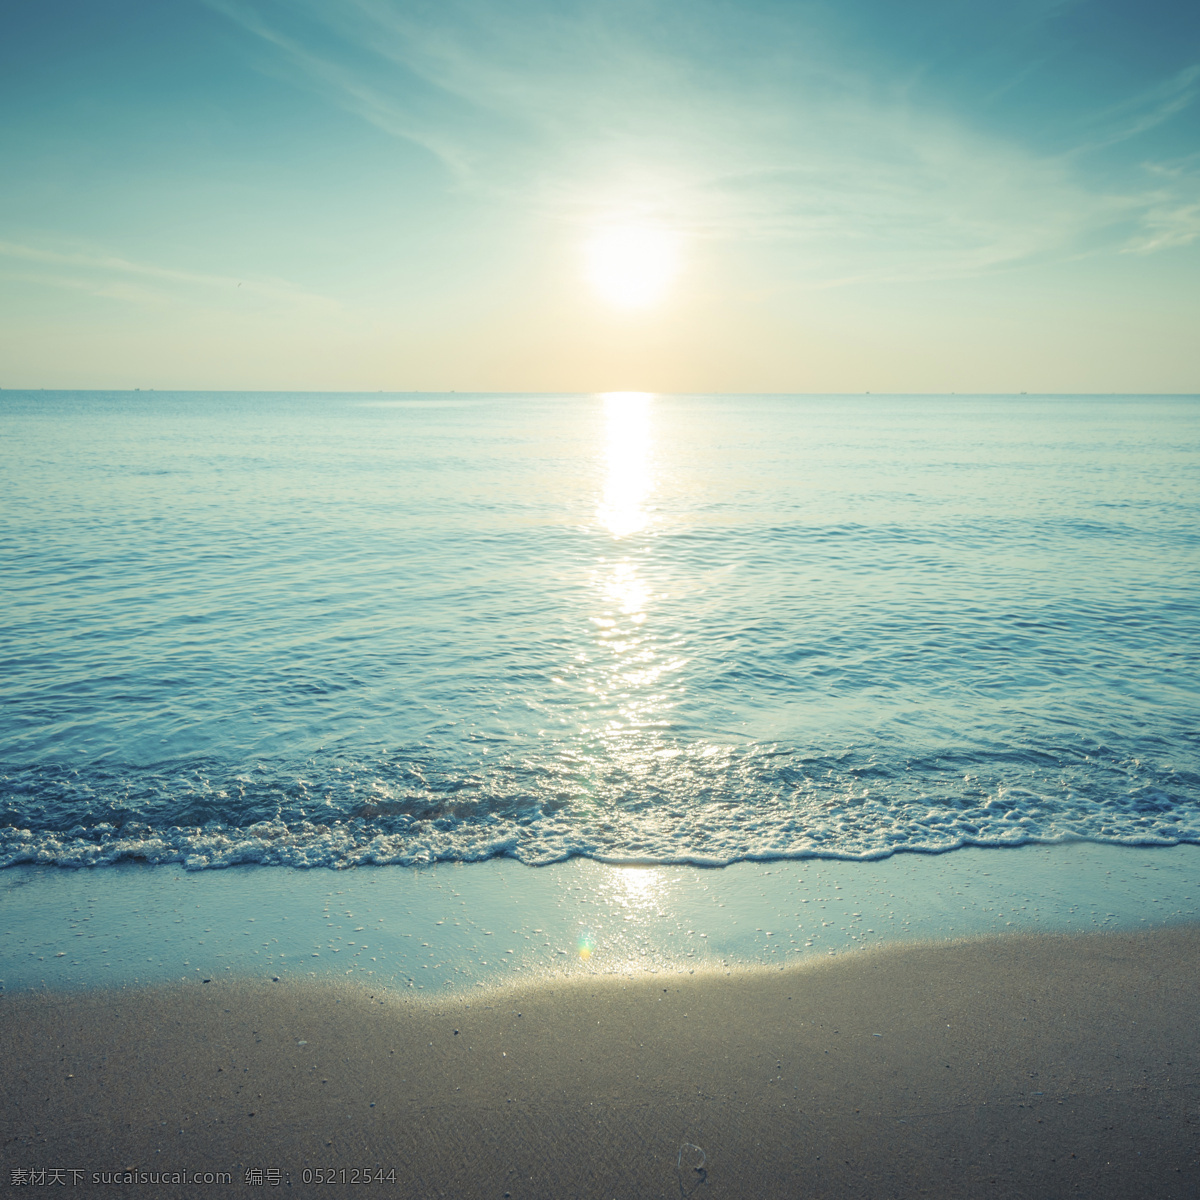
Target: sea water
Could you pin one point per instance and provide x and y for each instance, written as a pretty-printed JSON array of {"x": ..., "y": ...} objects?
[
  {"x": 460, "y": 926},
  {"x": 337, "y": 630}
]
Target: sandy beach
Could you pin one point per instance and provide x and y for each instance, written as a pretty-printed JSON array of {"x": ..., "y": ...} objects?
[{"x": 1013, "y": 1066}]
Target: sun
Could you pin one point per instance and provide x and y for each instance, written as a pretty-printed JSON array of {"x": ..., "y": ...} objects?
[{"x": 632, "y": 266}]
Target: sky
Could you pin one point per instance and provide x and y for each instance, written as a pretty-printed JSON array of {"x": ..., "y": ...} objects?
[{"x": 655, "y": 195}]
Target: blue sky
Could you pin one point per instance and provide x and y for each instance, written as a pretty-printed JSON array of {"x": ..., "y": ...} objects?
[{"x": 362, "y": 194}]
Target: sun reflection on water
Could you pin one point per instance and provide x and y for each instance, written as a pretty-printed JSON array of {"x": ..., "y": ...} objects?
[
  {"x": 628, "y": 676},
  {"x": 627, "y": 460},
  {"x": 640, "y": 886},
  {"x": 630, "y": 664},
  {"x": 627, "y": 591},
  {"x": 632, "y": 661}
]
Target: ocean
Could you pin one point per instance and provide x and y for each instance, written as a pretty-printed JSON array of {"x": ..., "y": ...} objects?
[{"x": 338, "y": 630}]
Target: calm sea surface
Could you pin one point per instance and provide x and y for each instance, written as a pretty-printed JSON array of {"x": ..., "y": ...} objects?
[{"x": 339, "y": 629}]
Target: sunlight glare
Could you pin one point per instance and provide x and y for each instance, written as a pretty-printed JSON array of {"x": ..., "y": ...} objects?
[{"x": 632, "y": 266}]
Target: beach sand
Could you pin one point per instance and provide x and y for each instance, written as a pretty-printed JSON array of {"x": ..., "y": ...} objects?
[{"x": 1013, "y": 1066}]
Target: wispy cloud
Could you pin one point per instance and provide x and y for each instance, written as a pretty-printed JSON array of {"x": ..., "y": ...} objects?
[
  {"x": 120, "y": 278},
  {"x": 780, "y": 137},
  {"x": 1143, "y": 111},
  {"x": 345, "y": 86},
  {"x": 1172, "y": 219}
]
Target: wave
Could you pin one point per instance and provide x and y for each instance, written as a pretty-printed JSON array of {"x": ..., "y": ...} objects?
[{"x": 699, "y": 804}]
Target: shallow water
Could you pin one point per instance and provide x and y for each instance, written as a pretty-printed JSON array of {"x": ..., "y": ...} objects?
[
  {"x": 455, "y": 927},
  {"x": 332, "y": 630}
]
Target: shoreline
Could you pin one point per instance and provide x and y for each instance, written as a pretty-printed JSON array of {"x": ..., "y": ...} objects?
[
  {"x": 1018, "y": 1065},
  {"x": 464, "y": 927}
]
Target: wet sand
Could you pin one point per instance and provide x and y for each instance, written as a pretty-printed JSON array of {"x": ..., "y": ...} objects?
[{"x": 1023, "y": 1066}]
